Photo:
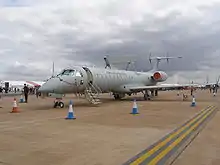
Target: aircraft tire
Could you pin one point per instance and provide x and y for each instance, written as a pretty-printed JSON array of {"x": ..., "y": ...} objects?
[
  {"x": 61, "y": 104},
  {"x": 146, "y": 97},
  {"x": 116, "y": 96},
  {"x": 55, "y": 104}
]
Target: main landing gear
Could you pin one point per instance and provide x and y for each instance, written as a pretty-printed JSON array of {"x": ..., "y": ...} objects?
[
  {"x": 58, "y": 103},
  {"x": 156, "y": 92},
  {"x": 147, "y": 95},
  {"x": 118, "y": 96}
]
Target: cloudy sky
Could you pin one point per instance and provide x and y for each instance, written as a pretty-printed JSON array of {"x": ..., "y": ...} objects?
[{"x": 33, "y": 33}]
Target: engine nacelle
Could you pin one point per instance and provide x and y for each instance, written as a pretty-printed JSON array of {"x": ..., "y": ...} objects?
[{"x": 159, "y": 76}]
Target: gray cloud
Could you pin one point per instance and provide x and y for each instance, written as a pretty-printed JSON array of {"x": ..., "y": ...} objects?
[
  {"x": 70, "y": 35},
  {"x": 178, "y": 35},
  {"x": 26, "y": 72}
]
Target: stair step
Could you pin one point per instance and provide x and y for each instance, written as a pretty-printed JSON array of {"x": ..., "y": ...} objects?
[
  {"x": 96, "y": 102},
  {"x": 92, "y": 94}
]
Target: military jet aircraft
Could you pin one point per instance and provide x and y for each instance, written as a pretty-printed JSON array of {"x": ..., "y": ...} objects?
[{"x": 91, "y": 81}]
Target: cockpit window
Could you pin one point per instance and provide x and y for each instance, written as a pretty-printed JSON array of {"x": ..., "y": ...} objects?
[
  {"x": 79, "y": 74},
  {"x": 68, "y": 72}
]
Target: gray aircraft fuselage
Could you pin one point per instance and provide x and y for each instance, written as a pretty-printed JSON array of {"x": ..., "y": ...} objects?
[{"x": 75, "y": 80}]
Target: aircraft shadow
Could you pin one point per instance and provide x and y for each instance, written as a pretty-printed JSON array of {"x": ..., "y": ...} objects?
[{"x": 107, "y": 101}]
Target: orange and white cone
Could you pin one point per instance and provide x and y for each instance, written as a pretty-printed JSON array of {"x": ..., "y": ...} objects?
[{"x": 15, "y": 107}]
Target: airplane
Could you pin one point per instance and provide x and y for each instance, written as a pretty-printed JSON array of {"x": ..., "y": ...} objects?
[
  {"x": 91, "y": 81},
  {"x": 19, "y": 84},
  {"x": 12, "y": 84},
  {"x": 212, "y": 86}
]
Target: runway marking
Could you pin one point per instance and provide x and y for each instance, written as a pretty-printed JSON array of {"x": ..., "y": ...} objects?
[
  {"x": 178, "y": 140},
  {"x": 158, "y": 150}
]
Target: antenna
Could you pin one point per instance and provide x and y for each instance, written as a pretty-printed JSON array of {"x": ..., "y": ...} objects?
[
  {"x": 53, "y": 70},
  {"x": 217, "y": 80},
  {"x": 158, "y": 60},
  {"x": 129, "y": 63},
  {"x": 52, "y": 75},
  {"x": 167, "y": 57},
  {"x": 107, "y": 63},
  {"x": 150, "y": 60},
  {"x": 127, "y": 66},
  {"x": 207, "y": 79}
]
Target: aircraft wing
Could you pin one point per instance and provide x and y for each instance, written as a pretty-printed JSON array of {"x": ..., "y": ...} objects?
[
  {"x": 210, "y": 84},
  {"x": 161, "y": 86}
]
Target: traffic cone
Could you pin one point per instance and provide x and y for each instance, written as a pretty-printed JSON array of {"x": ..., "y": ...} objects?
[
  {"x": 70, "y": 114},
  {"x": 193, "y": 104},
  {"x": 15, "y": 107},
  {"x": 135, "y": 108},
  {"x": 21, "y": 99}
]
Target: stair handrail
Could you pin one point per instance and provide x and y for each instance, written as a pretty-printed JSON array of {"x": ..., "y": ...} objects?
[{"x": 95, "y": 87}]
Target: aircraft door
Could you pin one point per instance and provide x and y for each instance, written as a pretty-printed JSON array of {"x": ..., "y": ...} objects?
[
  {"x": 78, "y": 79},
  {"x": 89, "y": 75}
]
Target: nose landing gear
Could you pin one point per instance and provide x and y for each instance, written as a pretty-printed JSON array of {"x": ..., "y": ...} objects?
[{"x": 58, "y": 103}]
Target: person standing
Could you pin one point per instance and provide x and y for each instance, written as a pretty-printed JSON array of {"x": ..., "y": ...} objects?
[
  {"x": 26, "y": 92},
  {"x": 37, "y": 92}
]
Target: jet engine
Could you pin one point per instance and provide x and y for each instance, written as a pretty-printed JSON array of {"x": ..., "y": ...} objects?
[{"x": 159, "y": 76}]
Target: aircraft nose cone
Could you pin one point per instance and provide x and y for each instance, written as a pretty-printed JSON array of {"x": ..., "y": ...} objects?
[
  {"x": 41, "y": 89},
  {"x": 49, "y": 86},
  {"x": 44, "y": 88}
]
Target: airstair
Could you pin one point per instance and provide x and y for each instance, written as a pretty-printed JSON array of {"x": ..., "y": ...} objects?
[{"x": 92, "y": 92}]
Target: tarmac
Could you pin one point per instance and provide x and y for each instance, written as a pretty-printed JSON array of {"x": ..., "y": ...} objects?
[
  {"x": 10, "y": 94},
  {"x": 108, "y": 134}
]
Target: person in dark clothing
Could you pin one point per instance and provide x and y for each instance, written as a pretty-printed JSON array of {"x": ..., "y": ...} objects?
[
  {"x": 191, "y": 91},
  {"x": 26, "y": 92},
  {"x": 37, "y": 92}
]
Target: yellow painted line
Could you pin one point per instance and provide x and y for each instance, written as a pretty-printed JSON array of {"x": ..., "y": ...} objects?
[
  {"x": 177, "y": 141},
  {"x": 171, "y": 136}
]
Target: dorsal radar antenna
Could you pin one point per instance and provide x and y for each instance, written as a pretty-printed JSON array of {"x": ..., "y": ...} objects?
[
  {"x": 107, "y": 63},
  {"x": 128, "y": 64},
  {"x": 158, "y": 60}
]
